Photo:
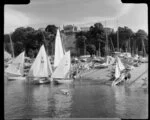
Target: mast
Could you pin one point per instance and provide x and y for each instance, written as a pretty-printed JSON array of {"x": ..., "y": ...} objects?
[
  {"x": 129, "y": 45},
  {"x": 117, "y": 37},
  {"x": 143, "y": 47},
  {"x": 45, "y": 43},
  {"x": 112, "y": 45},
  {"x": 11, "y": 46}
]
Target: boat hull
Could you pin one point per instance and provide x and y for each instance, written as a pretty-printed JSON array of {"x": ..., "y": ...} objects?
[
  {"x": 38, "y": 81},
  {"x": 14, "y": 76},
  {"x": 41, "y": 82},
  {"x": 17, "y": 78},
  {"x": 114, "y": 83},
  {"x": 63, "y": 81}
]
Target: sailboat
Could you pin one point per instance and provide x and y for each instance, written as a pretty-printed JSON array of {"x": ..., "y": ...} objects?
[
  {"x": 15, "y": 70},
  {"x": 62, "y": 72},
  {"x": 59, "y": 51},
  {"x": 119, "y": 77},
  {"x": 41, "y": 69},
  {"x": 120, "y": 74}
]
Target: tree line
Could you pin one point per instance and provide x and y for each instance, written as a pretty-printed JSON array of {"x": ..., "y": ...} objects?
[
  {"x": 98, "y": 39},
  {"x": 95, "y": 41}
]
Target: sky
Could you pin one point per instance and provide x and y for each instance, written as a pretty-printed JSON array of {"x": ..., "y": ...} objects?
[{"x": 82, "y": 13}]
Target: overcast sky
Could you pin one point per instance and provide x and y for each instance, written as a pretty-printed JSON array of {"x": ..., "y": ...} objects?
[{"x": 40, "y": 13}]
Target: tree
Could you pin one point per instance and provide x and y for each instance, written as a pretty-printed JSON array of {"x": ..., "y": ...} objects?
[
  {"x": 7, "y": 45},
  {"x": 142, "y": 40},
  {"x": 51, "y": 29},
  {"x": 19, "y": 39},
  {"x": 91, "y": 49},
  {"x": 125, "y": 38},
  {"x": 125, "y": 35},
  {"x": 81, "y": 41},
  {"x": 26, "y": 39},
  {"x": 96, "y": 36},
  {"x": 50, "y": 32}
]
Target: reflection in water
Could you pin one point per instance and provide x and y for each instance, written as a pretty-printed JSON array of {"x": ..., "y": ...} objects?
[
  {"x": 92, "y": 100},
  {"x": 86, "y": 99},
  {"x": 130, "y": 104},
  {"x": 63, "y": 101},
  {"x": 119, "y": 93}
]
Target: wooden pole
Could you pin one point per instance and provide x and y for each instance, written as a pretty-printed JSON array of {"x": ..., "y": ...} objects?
[
  {"x": 106, "y": 45},
  {"x": 117, "y": 37},
  {"x": 84, "y": 48},
  {"x": 129, "y": 45},
  {"x": 112, "y": 45},
  {"x": 99, "y": 50}
]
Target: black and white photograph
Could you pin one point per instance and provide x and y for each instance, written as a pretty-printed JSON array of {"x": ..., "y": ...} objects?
[{"x": 76, "y": 59}]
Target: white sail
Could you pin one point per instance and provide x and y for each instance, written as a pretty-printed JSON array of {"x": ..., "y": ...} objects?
[
  {"x": 117, "y": 71},
  {"x": 41, "y": 66},
  {"x": 17, "y": 65},
  {"x": 63, "y": 68},
  {"x": 6, "y": 55},
  {"x": 59, "y": 52},
  {"x": 120, "y": 64}
]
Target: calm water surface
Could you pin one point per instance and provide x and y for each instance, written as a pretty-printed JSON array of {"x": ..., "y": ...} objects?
[{"x": 87, "y": 99}]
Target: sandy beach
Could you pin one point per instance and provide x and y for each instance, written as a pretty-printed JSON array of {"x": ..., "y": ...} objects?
[{"x": 103, "y": 75}]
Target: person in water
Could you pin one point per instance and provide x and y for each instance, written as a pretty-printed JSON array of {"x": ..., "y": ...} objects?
[
  {"x": 74, "y": 74},
  {"x": 127, "y": 75}
]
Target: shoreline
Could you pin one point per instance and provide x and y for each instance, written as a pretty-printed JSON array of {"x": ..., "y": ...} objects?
[{"x": 103, "y": 75}]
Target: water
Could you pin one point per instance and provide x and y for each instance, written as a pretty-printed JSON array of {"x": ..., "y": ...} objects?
[{"x": 86, "y": 99}]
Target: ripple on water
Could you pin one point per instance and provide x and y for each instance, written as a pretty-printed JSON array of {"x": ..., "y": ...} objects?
[{"x": 86, "y": 99}]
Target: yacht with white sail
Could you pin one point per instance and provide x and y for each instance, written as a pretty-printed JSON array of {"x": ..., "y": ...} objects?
[
  {"x": 62, "y": 72},
  {"x": 41, "y": 70},
  {"x": 15, "y": 69}
]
